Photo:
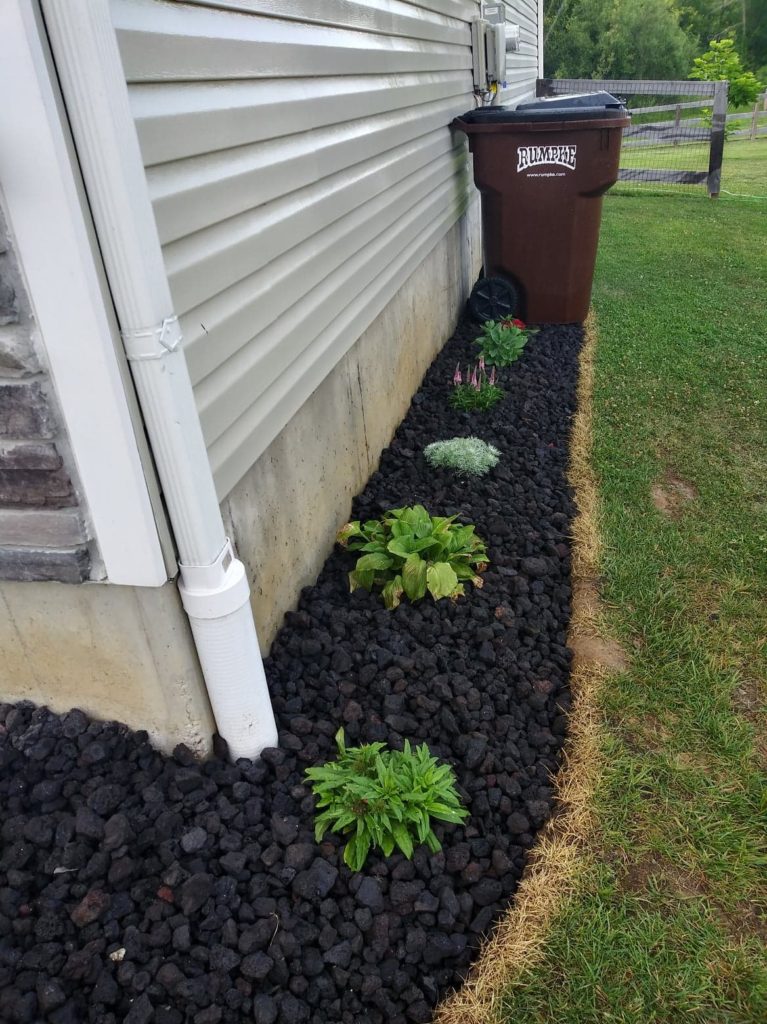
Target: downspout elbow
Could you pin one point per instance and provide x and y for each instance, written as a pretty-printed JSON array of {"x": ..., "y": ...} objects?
[{"x": 217, "y": 600}]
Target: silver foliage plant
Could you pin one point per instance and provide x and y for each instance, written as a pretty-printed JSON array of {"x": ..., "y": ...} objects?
[{"x": 469, "y": 456}]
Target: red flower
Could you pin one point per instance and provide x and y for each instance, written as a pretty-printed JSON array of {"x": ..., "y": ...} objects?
[{"x": 519, "y": 323}]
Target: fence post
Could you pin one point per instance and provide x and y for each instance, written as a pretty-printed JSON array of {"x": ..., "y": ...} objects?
[
  {"x": 755, "y": 121},
  {"x": 716, "y": 153},
  {"x": 677, "y": 122}
]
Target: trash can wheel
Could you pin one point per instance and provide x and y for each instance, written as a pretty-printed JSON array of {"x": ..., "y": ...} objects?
[{"x": 493, "y": 298}]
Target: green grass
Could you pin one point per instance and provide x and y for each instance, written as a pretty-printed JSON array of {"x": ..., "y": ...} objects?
[{"x": 669, "y": 921}]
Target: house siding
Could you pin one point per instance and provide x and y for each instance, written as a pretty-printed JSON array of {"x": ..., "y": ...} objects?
[{"x": 301, "y": 169}]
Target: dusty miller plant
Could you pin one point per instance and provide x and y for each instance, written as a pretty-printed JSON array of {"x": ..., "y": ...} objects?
[
  {"x": 469, "y": 456},
  {"x": 410, "y": 552},
  {"x": 383, "y": 798}
]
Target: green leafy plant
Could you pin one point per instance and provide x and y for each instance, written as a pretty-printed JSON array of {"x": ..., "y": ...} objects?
[
  {"x": 721, "y": 62},
  {"x": 502, "y": 341},
  {"x": 383, "y": 798},
  {"x": 467, "y": 455},
  {"x": 409, "y": 552},
  {"x": 476, "y": 391}
]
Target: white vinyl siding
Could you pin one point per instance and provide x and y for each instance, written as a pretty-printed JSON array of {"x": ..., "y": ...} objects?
[{"x": 300, "y": 168}]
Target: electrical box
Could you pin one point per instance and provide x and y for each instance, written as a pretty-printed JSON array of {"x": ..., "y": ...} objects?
[{"x": 491, "y": 39}]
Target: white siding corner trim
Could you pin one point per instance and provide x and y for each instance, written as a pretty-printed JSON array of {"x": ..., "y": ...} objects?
[{"x": 300, "y": 166}]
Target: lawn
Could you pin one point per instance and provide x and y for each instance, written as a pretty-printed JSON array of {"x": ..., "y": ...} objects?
[
  {"x": 744, "y": 169},
  {"x": 668, "y": 920}
]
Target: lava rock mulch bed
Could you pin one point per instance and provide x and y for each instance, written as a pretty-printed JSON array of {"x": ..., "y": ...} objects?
[{"x": 144, "y": 889}]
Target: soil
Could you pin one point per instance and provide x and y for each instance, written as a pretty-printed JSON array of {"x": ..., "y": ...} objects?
[
  {"x": 671, "y": 494},
  {"x": 146, "y": 889}
]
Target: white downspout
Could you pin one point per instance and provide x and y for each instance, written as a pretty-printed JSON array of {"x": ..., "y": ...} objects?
[{"x": 213, "y": 585}]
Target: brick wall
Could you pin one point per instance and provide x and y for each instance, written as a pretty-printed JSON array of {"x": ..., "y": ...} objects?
[{"x": 42, "y": 527}]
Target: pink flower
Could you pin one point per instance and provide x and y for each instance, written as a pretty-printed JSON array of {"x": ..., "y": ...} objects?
[
  {"x": 482, "y": 364},
  {"x": 457, "y": 379},
  {"x": 474, "y": 380},
  {"x": 492, "y": 376}
]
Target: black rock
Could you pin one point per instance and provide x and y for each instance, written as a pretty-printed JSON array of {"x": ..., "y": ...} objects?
[
  {"x": 194, "y": 892},
  {"x": 292, "y": 1010},
  {"x": 141, "y": 1011},
  {"x": 339, "y": 955},
  {"x": 194, "y": 839},
  {"x": 317, "y": 881},
  {"x": 256, "y": 966},
  {"x": 188, "y": 866},
  {"x": 369, "y": 895},
  {"x": 264, "y": 1010},
  {"x": 486, "y": 892},
  {"x": 284, "y": 828}
]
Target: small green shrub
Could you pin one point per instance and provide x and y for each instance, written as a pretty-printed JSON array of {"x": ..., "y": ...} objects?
[
  {"x": 410, "y": 552},
  {"x": 502, "y": 341},
  {"x": 467, "y": 455},
  {"x": 383, "y": 798},
  {"x": 477, "y": 391}
]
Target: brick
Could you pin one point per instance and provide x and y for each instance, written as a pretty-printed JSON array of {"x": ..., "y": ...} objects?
[
  {"x": 17, "y": 353},
  {"x": 9, "y": 307},
  {"x": 24, "y": 411},
  {"x": 41, "y": 528},
  {"x": 29, "y": 565},
  {"x": 29, "y": 455},
  {"x": 32, "y": 488}
]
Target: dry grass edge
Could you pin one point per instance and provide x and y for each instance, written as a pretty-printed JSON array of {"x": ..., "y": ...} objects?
[{"x": 552, "y": 871}]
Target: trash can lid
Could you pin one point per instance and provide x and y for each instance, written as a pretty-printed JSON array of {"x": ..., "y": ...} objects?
[
  {"x": 503, "y": 115},
  {"x": 589, "y": 106},
  {"x": 581, "y": 99}
]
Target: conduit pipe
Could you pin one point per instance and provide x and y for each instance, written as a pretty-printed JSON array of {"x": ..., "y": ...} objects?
[{"x": 213, "y": 585}]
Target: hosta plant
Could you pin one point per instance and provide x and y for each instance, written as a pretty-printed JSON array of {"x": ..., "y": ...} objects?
[
  {"x": 469, "y": 456},
  {"x": 383, "y": 798},
  {"x": 502, "y": 341},
  {"x": 475, "y": 390},
  {"x": 408, "y": 552}
]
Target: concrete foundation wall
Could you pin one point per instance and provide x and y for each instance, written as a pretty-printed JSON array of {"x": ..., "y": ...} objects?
[
  {"x": 121, "y": 653},
  {"x": 284, "y": 514}
]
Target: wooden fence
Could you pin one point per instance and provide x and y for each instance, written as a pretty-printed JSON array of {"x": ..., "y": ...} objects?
[{"x": 709, "y": 94}]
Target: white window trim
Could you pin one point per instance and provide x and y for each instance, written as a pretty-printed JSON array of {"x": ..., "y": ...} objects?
[{"x": 42, "y": 194}]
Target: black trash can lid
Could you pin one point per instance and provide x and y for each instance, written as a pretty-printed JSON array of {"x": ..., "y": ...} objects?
[
  {"x": 592, "y": 106},
  {"x": 582, "y": 99}
]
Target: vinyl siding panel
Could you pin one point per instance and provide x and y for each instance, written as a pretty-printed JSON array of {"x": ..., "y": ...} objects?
[{"x": 300, "y": 168}]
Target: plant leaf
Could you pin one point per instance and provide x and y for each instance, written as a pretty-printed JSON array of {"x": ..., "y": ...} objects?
[
  {"x": 392, "y": 592},
  {"x": 441, "y": 580},
  {"x": 414, "y": 577},
  {"x": 372, "y": 562}
]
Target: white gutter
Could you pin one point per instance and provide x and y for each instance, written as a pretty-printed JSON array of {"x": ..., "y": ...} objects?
[{"x": 213, "y": 585}]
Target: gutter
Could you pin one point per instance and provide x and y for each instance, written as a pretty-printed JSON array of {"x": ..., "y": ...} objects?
[{"x": 213, "y": 583}]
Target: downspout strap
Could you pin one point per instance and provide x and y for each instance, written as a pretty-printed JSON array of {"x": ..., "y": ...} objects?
[{"x": 153, "y": 342}]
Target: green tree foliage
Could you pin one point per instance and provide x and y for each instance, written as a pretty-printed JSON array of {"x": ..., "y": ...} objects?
[
  {"x": 617, "y": 39},
  {"x": 744, "y": 21},
  {"x": 720, "y": 62}
]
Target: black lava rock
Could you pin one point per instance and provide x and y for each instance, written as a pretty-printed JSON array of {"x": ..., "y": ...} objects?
[{"x": 141, "y": 889}]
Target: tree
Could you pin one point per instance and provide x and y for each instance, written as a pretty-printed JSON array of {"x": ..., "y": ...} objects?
[
  {"x": 721, "y": 62},
  {"x": 617, "y": 39},
  {"x": 745, "y": 21}
]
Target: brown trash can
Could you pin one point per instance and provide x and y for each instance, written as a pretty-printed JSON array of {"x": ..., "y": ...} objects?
[{"x": 542, "y": 170}]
